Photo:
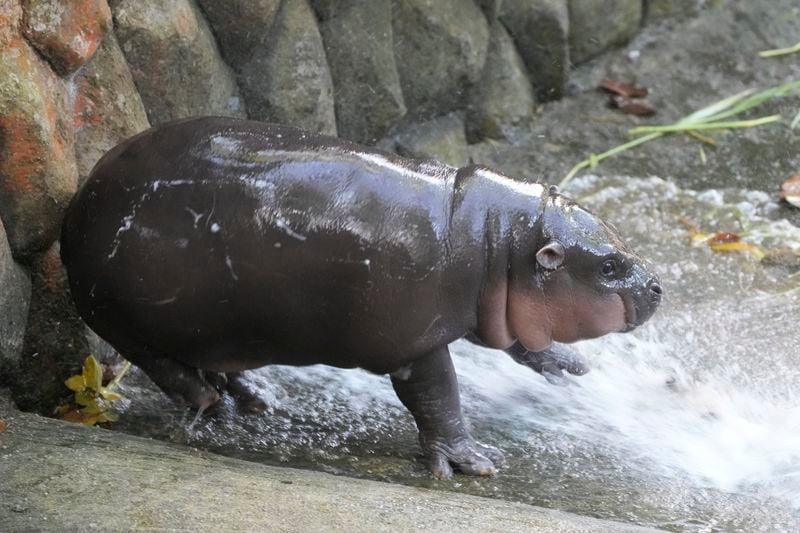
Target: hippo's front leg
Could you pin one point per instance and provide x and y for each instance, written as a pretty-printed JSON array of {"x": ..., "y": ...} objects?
[
  {"x": 429, "y": 389},
  {"x": 550, "y": 362}
]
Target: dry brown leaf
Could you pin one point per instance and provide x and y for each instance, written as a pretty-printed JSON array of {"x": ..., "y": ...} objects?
[
  {"x": 632, "y": 107},
  {"x": 790, "y": 190},
  {"x": 723, "y": 237},
  {"x": 623, "y": 88},
  {"x": 3, "y": 425}
]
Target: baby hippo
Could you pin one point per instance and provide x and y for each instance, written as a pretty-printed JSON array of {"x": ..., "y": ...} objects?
[{"x": 222, "y": 245}]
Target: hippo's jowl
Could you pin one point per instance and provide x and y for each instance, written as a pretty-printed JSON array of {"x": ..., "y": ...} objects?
[{"x": 225, "y": 245}]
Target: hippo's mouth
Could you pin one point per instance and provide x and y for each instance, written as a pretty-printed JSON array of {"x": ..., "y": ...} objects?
[{"x": 630, "y": 313}]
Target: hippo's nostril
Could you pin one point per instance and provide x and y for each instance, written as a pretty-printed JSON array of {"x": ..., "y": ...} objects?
[{"x": 655, "y": 288}]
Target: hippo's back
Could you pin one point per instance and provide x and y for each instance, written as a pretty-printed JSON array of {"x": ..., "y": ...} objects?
[{"x": 206, "y": 237}]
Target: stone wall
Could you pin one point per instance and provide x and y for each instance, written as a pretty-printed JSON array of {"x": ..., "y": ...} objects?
[{"x": 422, "y": 77}]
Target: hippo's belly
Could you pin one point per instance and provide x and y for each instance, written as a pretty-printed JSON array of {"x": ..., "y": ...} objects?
[{"x": 297, "y": 263}]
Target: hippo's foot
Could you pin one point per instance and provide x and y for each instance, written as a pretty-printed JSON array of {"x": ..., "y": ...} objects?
[
  {"x": 429, "y": 389},
  {"x": 247, "y": 400},
  {"x": 182, "y": 383},
  {"x": 552, "y": 362},
  {"x": 465, "y": 453}
]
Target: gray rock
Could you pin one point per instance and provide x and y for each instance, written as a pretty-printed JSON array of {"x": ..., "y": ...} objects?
[
  {"x": 358, "y": 43},
  {"x": 284, "y": 76},
  {"x": 174, "y": 60},
  {"x": 241, "y": 27},
  {"x": 107, "y": 108},
  {"x": 540, "y": 29},
  {"x": 569, "y": 130},
  {"x": 659, "y": 9},
  {"x": 597, "y": 25},
  {"x": 161, "y": 487},
  {"x": 505, "y": 100},
  {"x": 440, "y": 49},
  {"x": 441, "y": 138},
  {"x": 15, "y": 294},
  {"x": 491, "y": 8}
]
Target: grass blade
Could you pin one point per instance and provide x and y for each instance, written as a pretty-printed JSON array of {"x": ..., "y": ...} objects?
[
  {"x": 780, "y": 51},
  {"x": 594, "y": 159},
  {"x": 713, "y": 109},
  {"x": 674, "y": 128}
]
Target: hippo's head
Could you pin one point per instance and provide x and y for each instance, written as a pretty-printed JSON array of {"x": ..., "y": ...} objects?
[{"x": 578, "y": 281}]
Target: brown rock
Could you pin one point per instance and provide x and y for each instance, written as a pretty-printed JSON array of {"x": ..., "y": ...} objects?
[
  {"x": 10, "y": 18},
  {"x": 106, "y": 107},
  {"x": 66, "y": 32},
  {"x": 174, "y": 60},
  {"x": 56, "y": 338},
  {"x": 38, "y": 175}
]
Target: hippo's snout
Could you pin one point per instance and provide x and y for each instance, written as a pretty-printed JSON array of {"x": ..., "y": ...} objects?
[{"x": 641, "y": 302}]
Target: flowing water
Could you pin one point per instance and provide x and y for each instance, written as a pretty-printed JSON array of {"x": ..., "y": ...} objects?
[{"x": 691, "y": 422}]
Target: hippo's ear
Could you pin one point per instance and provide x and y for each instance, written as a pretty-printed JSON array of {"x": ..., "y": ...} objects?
[{"x": 551, "y": 255}]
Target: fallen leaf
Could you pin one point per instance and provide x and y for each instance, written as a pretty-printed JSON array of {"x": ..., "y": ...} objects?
[
  {"x": 790, "y": 190},
  {"x": 624, "y": 88},
  {"x": 3, "y": 425},
  {"x": 738, "y": 247},
  {"x": 632, "y": 107}
]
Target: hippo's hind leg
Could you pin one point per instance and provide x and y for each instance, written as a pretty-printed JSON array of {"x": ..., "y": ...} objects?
[
  {"x": 180, "y": 382},
  {"x": 235, "y": 383},
  {"x": 429, "y": 389}
]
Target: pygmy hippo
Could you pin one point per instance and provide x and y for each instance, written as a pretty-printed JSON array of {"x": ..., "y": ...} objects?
[{"x": 216, "y": 245}]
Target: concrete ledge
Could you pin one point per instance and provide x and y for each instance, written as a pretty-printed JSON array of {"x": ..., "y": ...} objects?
[{"x": 60, "y": 477}]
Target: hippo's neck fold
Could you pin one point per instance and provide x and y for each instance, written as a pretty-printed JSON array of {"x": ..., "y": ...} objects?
[{"x": 494, "y": 217}]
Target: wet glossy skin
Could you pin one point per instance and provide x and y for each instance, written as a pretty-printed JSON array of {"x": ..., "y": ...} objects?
[{"x": 226, "y": 245}]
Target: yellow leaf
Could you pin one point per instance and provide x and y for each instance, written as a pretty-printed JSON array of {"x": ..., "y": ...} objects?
[
  {"x": 90, "y": 420},
  {"x": 72, "y": 416},
  {"x": 85, "y": 397},
  {"x": 111, "y": 396},
  {"x": 93, "y": 373},
  {"x": 76, "y": 383},
  {"x": 94, "y": 408},
  {"x": 107, "y": 416}
]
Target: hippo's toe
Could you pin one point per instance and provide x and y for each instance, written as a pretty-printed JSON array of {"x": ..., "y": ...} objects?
[{"x": 469, "y": 456}]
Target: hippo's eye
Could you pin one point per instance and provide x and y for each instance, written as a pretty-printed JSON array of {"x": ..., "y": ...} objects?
[{"x": 609, "y": 268}]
